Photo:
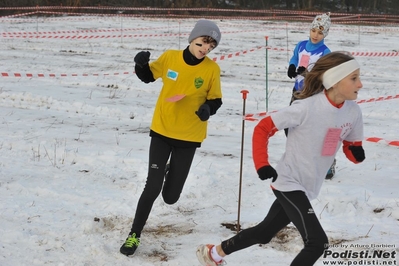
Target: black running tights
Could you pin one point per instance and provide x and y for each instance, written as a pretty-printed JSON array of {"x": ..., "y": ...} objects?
[
  {"x": 171, "y": 185},
  {"x": 289, "y": 207}
]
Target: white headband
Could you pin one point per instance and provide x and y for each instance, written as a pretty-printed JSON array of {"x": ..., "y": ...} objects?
[{"x": 337, "y": 73}]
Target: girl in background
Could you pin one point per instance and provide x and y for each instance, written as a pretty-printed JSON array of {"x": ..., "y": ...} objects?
[{"x": 305, "y": 54}]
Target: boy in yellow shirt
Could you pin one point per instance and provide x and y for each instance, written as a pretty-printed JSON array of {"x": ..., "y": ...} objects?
[{"x": 191, "y": 93}]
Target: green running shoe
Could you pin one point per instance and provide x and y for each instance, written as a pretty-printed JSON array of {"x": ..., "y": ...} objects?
[{"x": 131, "y": 244}]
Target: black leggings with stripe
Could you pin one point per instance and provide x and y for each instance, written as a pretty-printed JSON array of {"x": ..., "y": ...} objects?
[{"x": 289, "y": 207}]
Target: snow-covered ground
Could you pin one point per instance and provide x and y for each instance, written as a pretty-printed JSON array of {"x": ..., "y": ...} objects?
[{"x": 74, "y": 144}]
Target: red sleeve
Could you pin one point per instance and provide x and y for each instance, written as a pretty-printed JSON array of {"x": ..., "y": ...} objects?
[
  {"x": 348, "y": 152},
  {"x": 260, "y": 139}
]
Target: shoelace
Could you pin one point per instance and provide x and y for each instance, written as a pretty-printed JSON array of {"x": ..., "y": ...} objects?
[{"x": 132, "y": 241}]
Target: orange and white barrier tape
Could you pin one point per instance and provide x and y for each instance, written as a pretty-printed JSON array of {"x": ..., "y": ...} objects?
[
  {"x": 388, "y": 142},
  {"x": 68, "y": 32},
  {"x": 382, "y": 54},
  {"x": 78, "y": 34},
  {"x": 52, "y": 75},
  {"x": 311, "y": 14},
  {"x": 379, "y": 99},
  {"x": 260, "y": 14},
  {"x": 261, "y": 115},
  {"x": 63, "y": 35},
  {"x": 222, "y": 57},
  {"x": 85, "y": 37}
]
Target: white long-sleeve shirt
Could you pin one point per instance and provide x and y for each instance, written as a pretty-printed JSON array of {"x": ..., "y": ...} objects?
[{"x": 303, "y": 166}]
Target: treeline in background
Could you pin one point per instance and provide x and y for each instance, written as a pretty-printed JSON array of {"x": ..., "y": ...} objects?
[{"x": 349, "y": 6}]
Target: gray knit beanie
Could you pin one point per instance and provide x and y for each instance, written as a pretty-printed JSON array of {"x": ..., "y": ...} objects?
[
  {"x": 322, "y": 22},
  {"x": 205, "y": 28}
]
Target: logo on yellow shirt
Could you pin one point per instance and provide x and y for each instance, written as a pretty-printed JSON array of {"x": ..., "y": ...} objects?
[
  {"x": 172, "y": 74},
  {"x": 198, "y": 82}
]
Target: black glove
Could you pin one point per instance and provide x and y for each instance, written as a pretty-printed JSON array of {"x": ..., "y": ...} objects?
[
  {"x": 142, "y": 58},
  {"x": 300, "y": 70},
  {"x": 204, "y": 111},
  {"x": 292, "y": 71},
  {"x": 358, "y": 153},
  {"x": 266, "y": 172}
]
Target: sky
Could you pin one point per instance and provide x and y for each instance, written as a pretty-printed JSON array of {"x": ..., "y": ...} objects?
[{"x": 74, "y": 144}]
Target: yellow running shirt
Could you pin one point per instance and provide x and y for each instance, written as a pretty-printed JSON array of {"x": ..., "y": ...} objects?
[{"x": 176, "y": 118}]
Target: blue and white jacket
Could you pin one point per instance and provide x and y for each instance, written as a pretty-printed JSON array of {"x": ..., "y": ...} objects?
[{"x": 306, "y": 54}]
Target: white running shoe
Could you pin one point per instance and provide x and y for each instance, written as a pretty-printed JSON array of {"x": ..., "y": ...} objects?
[{"x": 205, "y": 258}]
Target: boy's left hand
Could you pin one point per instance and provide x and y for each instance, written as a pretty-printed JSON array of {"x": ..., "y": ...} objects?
[{"x": 204, "y": 112}]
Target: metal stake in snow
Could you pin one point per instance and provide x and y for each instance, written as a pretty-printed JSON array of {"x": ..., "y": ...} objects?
[{"x": 244, "y": 97}]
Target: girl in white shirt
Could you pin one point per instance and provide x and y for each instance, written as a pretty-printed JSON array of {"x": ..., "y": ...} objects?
[{"x": 324, "y": 117}]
